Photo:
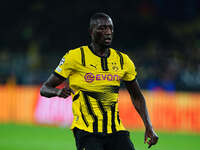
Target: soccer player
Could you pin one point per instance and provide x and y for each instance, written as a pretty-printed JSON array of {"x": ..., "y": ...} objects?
[{"x": 94, "y": 72}]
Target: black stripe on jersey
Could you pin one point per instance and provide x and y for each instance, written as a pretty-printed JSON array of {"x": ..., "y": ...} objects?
[
  {"x": 121, "y": 59},
  {"x": 105, "y": 116},
  {"x": 101, "y": 95},
  {"x": 89, "y": 108},
  {"x": 84, "y": 119},
  {"x": 118, "y": 117},
  {"x": 98, "y": 96},
  {"x": 115, "y": 89},
  {"x": 112, "y": 89},
  {"x": 113, "y": 126},
  {"x": 76, "y": 97},
  {"x": 59, "y": 76},
  {"x": 104, "y": 63},
  {"x": 82, "y": 56}
]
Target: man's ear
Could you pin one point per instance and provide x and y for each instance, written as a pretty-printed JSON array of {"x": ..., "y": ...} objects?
[{"x": 90, "y": 31}]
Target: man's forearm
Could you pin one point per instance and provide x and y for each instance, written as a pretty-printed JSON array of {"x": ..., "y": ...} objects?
[
  {"x": 140, "y": 106},
  {"x": 48, "y": 91},
  {"x": 138, "y": 101}
]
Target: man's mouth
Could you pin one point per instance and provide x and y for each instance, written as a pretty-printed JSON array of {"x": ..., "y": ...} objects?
[{"x": 108, "y": 40}]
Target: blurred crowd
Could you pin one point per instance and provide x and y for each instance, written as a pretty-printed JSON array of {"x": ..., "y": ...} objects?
[{"x": 162, "y": 39}]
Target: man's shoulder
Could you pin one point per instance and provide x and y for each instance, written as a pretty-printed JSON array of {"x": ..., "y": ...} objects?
[
  {"x": 75, "y": 51},
  {"x": 119, "y": 51},
  {"x": 123, "y": 55}
]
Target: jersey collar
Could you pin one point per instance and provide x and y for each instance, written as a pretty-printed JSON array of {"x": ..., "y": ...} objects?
[{"x": 97, "y": 54}]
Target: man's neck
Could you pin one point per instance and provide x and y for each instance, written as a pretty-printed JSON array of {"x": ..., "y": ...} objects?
[{"x": 100, "y": 51}]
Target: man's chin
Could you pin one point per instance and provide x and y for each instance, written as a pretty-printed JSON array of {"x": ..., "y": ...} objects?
[{"x": 106, "y": 45}]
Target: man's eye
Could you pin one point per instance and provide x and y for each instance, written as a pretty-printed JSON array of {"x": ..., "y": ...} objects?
[{"x": 101, "y": 28}]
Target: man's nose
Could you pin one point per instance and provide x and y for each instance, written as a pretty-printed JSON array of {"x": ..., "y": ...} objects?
[{"x": 108, "y": 31}]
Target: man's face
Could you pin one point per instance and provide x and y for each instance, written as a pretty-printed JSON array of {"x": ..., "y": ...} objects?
[{"x": 102, "y": 32}]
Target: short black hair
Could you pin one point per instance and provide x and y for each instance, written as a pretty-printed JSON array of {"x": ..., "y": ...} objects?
[{"x": 97, "y": 16}]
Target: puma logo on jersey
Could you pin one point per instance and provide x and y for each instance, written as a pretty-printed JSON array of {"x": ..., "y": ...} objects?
[{"x": 93, "y": 66}]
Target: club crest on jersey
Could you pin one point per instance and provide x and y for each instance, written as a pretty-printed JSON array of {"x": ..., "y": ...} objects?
[
  {"x": 90, "y": 77},
  {"x": 114, "y": 66}
]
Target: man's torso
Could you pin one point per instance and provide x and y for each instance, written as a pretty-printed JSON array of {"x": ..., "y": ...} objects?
[{"x": 95, "y": 81}]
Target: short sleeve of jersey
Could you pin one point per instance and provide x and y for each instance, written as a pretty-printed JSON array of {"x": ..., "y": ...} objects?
[
  {"x": 64, "y": 68},
  {"x": 130, "y": 72}
]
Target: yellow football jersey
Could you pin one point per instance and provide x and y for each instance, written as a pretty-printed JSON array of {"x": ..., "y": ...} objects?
[{"x": 95, "y": 81}]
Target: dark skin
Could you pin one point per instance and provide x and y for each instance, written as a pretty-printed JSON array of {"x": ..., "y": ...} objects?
[
  {"x": 49, "y": 89},
  {"x": 139, "y": 103},
  {"x": 101, "y": 32}
]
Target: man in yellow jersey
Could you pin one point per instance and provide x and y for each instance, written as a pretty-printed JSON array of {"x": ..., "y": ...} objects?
[{"x": 94, "y": 72}]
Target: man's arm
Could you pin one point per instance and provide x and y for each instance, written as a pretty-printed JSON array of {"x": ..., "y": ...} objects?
[
  {"x": 49, "y": 89},
  {"x": 139, "y": 103}
]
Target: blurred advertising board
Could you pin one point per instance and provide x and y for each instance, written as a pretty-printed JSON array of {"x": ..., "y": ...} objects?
[
  {"x": 54, "y": 110},
  {"x": 169, "y": 111}
]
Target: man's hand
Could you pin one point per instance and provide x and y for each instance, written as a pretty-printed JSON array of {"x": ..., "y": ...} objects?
[
  {"x": 64, "y": 93},
  {"x": 150, "y": 137}
]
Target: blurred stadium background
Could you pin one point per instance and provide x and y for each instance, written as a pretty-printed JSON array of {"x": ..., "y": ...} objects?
[{"x": 161, "y": 36}]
